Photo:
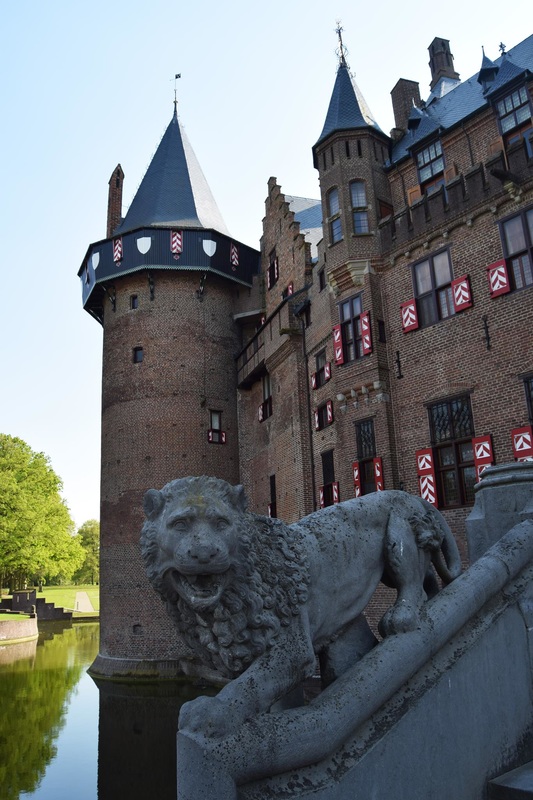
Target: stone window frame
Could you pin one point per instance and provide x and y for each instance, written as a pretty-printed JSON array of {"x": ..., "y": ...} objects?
[
  {"x": 365, "y": 441},
  {"x": 350, "y": 311},
  {"x": 451, "y": 425},
  {"x": 434, "y": 303},
  {"x": 518, "y": 254},
  {"x": 333, "y": 205},
  {"x": 359, "y": 202}
]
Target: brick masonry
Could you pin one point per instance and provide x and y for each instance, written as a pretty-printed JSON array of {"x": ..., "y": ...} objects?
[{"x": 223, "y": 351}]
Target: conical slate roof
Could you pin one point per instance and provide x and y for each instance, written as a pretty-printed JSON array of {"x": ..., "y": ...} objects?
[
  {"x": 347, "y": 107},
  {"x": 174, "y": 191}
]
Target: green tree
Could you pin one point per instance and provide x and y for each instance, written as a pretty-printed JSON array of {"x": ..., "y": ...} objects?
[
  {"x": 89, "y": 537},
  {"x": 35, "y": 525}
]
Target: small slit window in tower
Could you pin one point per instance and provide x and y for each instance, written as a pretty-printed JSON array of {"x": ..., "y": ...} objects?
[
  {"x": 134, "y": 301},
  {"x": 138, "y": 355}
]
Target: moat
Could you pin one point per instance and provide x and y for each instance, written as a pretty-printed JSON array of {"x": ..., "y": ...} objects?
[{"x": 61, "y": 736}]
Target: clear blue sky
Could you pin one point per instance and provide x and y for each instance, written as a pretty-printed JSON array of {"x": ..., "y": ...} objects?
[{"x": 88, "y": 85}]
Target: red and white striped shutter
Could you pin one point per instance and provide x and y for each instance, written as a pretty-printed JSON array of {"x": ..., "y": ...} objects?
[
  {"x": 523, "y": 443},
  {"x": 366, "y": 334},
  {"x": 336, "y": 492},
  {"x": 269, "y": 282},
  {"x": 338, "y": 349},
  {"x": 483, "y": 454},
  {"x": 317, "y": 420},
  {"x": 426, "y": 475},
  {"x": 223, "y": 437},
  {"x": 356, "y": 479},
  {"x": 117, "y": 249},
  {"x": 498, "y": 278},
  {"x": 234, "y": 255},
  {"x": 260, "y": 413},
  {"x": 176, "y": 243},
  {"x": 461, "y": 293},
  {"x": 210, "y": 436},
  {"x": 409, "y": 315},
  {"x": 269, "y": 509},
  {"x": 327, "y": 371},
  {"x": 276, "y": 270},
  {"x": 313, "y": 380},
  {"x": 329, "y": 412},
  {"x": 378, "y": 474},
  {"x": 321, "y": 496},
  {"x": 290, "y": 289}
]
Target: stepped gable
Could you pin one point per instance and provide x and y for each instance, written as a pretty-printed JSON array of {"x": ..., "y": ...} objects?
[
  {"x": 466, "y": 98},
  {"x": 174, "y": 191}
]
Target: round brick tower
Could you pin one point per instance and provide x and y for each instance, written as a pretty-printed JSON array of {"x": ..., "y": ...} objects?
[{"x": 163, "y": 285}]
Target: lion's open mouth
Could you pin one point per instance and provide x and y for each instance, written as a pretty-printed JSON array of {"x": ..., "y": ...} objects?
[{"x": 198, "y": 589}]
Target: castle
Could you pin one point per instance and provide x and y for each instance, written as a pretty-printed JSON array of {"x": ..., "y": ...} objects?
[{"x": 380, "y": 339}]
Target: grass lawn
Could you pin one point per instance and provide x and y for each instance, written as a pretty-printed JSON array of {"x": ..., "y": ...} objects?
[
  {"x": 65, "y": 596},
  {"x": 12, "y": 617}
]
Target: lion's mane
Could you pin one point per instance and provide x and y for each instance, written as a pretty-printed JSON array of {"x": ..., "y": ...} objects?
[{"x": 269, "y": 581}]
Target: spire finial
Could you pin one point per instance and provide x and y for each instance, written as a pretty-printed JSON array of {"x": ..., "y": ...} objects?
[
  {"x": 502, "y": 48},
  {"x": 341, "y": 52},
  {"x": 176, "y": 77}
]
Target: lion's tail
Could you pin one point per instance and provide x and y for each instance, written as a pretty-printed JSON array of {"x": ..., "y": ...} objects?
[{"x": 447, "y": 559}]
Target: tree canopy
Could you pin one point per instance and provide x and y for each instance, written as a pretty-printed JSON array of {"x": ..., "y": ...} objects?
[
  {"x": 35, "y": 525},
  {"x": 89, "y": 537}
]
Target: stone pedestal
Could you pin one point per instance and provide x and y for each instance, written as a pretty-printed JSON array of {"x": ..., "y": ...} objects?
[{"x": 504, "y": 498}]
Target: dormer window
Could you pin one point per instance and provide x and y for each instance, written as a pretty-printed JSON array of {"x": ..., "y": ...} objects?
[
  {"x": 430, "y": 163},
  {"x": 514, "y": 110},
  {"x": 334, "y": 217}
]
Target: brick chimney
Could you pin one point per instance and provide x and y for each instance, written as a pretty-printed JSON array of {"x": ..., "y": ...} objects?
[
  {"x": 114, "y": 201},
  {"x": 441, "y": 61},
  {"x": 404, "y": 94}
]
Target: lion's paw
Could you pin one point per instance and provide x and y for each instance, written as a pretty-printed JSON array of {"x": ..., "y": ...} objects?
[
  {"x": 207, "y": 715},
  {"x": 401, "y": 618}
]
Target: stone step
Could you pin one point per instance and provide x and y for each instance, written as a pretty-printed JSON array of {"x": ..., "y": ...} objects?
[{"x": 514, "y": 785}]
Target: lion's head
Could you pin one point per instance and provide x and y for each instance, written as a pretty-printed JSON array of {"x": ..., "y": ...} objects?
[{"x": 230, "y": 579}]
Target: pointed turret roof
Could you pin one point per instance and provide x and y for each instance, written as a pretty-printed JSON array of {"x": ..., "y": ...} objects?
[
  {"x": 174, "y": 191},
  {"x": 347, "y": 107}
]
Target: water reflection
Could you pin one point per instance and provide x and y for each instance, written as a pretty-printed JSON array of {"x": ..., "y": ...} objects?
[
  {"x": 62, "y": 737},
  {"x": 36, "y": 689}
]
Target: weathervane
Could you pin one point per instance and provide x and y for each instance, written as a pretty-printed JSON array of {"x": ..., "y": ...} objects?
[
  {"x": 178, "y": 75},
  {"x": 341, "y": 52},
  {"x": 502, "y": 48}
]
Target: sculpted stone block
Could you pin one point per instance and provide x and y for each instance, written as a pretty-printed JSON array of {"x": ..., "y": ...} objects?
[{"x": 258, "y": 600}]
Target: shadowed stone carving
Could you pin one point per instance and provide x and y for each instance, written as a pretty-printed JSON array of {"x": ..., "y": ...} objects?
[{"x": 257, "y": 600}]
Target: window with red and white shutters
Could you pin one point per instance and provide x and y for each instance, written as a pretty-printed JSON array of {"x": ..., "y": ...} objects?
[
  {"x": 366, "y": 334},
  {"x": 409, "y": 315},
  {"x": 338, "y": 349},
  {"x": 483, "y": 454},
  {"x": 378, "y": 474},
  {"x": 461, "y": 293},
  {"x": 356, "y": 479},
  {"x": 426, "y": 475},
  {"x": 523, "y": 443},
  {"x": 498, "y": 278}
]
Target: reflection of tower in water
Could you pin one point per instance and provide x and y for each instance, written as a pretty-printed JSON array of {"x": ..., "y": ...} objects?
[{"x": 137, "y": 740}]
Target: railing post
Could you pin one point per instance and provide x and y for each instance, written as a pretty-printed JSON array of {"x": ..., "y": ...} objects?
[{"x": 504, "y": 497}]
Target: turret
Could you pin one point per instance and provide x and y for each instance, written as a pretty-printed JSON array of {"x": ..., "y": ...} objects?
[{"x": 164, "y": 286}]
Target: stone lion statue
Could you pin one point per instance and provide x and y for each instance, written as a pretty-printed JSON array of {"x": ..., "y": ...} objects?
[{"x": 258, "y": 600}]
